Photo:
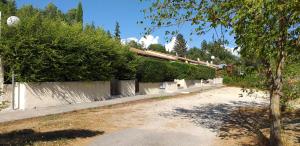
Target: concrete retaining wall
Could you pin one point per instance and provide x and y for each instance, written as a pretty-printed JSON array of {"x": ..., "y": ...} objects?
[
  {"x": 157, "y": 88},
  {"x": 181, "y": 84},
  {"x": 189, "y": 83},
  {"x": 7, "y": 92},
  {"x": 45, "y": 94},
  {"x": 150, "y": 88},
  {"x": 58, "y": 93},
  {"x": 7, "y": 95},
  {"x": 127, "y": 88},
  {"x": 198, "y": 83},
  {"x": 218, "y": 80},
  {"x": 170, "y": 87}
]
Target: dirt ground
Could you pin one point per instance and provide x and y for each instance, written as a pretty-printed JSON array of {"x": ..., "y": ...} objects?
[{"x": 222, "y": 116}]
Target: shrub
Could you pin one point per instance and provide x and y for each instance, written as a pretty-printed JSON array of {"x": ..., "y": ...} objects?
[
  {"x": 291, "y": 82},
  {"x": 193, "y": 72},
  {"x": 153, "y": 70},
  {"x": 43, "y": 49},
  {"x": 247, "y": 81}
]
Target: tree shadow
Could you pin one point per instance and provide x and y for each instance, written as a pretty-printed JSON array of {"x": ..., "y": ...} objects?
[
  {"x": 291, "y": 122},
  {"x": 29, "y": 136},
  {"x": 231, "y": 120}
]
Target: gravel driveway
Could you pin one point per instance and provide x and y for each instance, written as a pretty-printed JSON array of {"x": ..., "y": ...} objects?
[{"x": 190, "y": 121}]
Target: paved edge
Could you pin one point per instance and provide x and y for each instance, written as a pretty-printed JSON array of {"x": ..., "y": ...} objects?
[{"x": 34, "y": 113}]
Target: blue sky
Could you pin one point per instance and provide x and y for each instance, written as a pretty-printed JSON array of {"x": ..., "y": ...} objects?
[{"x": 105, "y": 13}]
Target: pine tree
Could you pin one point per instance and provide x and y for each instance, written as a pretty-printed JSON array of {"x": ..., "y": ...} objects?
[
  {"x": 70, "y": 16},
  {"x": 109, "y": 34},
  {"x": 180, "y": 45},
  {"x": 117, "y": 32},
  {"x": 79, "y": 13},
  {"x": 11, "y": 7},
  {"x": 51, "y": 11}
]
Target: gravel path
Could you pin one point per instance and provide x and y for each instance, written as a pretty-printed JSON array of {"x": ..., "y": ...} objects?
[{"x": 188, "y": 121}]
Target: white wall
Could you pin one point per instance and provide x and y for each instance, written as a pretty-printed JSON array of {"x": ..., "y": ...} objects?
[
  {"x": 182, "y": 84},
  {"x": 157, "y": 87},
  {"x": 127, "y": 87},
  {"x": 218, "y": 80},
  {"x": 58, "y": 93},
  {"x": 189, "y": 83},
  {"x": 19, "y": 96},
  {"x": 150, "y": 88},
  {"x": 7, "y": 94},
  {"x": 198, "y": 83},
  {"x": 170, "y": 87},
  {"x": 31, "y": 95}
]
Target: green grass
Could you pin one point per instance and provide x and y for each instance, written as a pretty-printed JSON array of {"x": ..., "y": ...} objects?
[{"x": 163, "y": 97}]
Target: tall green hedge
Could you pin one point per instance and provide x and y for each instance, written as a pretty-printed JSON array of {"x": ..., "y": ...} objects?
[
  {"x": 193, "y": 72},
  {"x": 153, "y": 70},
  {"x": 43, "y": 49}
]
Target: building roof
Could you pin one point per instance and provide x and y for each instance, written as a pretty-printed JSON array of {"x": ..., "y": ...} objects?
[{"x": 155, "y": 54}]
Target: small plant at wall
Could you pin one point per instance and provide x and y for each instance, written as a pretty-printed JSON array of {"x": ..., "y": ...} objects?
[{"x": 4, "y": 105}]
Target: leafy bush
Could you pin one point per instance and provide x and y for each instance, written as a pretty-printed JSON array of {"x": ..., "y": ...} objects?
[
  {"x": 153, "y": 70},
  {"x": 44, "y": 49},
  {"x": 246, "y": 81},
  {"x": 4, "y": 105},
  {"x": 193, "y": 72},
  {"x": 291, "y": 82}
]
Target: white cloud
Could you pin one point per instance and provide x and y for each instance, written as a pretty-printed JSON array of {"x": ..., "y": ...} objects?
[
  {"x": 170, "y": 46},
  {"x": 127, "y": 40},
  {"x": 234, "y": 52},
  {"x": 132, "y": 39},
  {"x": 148, "y": 40},
  {"x": 144, "y": 41}
]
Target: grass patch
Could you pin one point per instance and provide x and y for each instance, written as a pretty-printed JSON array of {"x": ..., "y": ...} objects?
[
  {"x": 163, "y": 97},
  {"x": 51, "y": 117}
]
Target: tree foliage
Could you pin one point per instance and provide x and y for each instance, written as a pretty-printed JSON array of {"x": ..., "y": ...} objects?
[
  {"x": 79, "y": 13},
  {"x": 154, "y": 70},
  {"x": 134, "y": 44},
  {"x": 267, "y": 31},
  {"x": 46, "y": 47},
  {"x": 180, "y": 46},
  {"x": 215, "y": 48},
  {"x": 9, "y": 8},
  {"x": 117, "y": 32},
  {"x": 70, "y": 16},
  {"x": 52, "y": 12},
  {"x": 192, "y": 72},
  {"x": 157, "y": 47}
]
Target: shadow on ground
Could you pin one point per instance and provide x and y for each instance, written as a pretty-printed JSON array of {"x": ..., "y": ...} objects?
[
  {"x": 291, "y": 121},
  {"x": 231, "y": 120},
  {"x": 29, "y": 136}
]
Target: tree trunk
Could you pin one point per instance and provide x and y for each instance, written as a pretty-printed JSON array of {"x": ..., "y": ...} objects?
[
  {"x": 1, "y": 79},
  {"x": 276, "y": 94},
  {"x": 275, "y": 133}
]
